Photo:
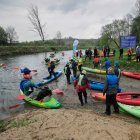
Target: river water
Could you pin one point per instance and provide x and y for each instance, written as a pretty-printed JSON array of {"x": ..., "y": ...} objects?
[{"x": 10, "y": 77}]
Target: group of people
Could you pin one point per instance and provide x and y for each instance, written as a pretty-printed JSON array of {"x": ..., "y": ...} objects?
[{"x": 80, "y": 83}]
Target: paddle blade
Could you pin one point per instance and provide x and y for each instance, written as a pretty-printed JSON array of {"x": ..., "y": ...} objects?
[
  {"x": 58, "y": 91},
  {"x": 20, "y": 97},
  {"x": 34, "y": 70}
]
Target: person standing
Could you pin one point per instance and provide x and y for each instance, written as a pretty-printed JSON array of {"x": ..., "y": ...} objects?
[
  {"x": 67, "y": 72},
  {"x": 138, "y": 53},
  {"x": 121, "y": 53},
  {"x": 129, "y": 53},
  {"x": 107, "y": 64},
  {"x": 111, "y": 88},
  {"x": 51, "y": 68},
  {"x": 74, "y": 67},
  {"x": 80, "y": 64},
  {"x": 81, "y": 85},
  {"x": 95, "y": 52},
  {"x": 117, "y": 70}
]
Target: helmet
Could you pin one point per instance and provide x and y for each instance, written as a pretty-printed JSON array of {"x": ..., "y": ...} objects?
[
  {"x": 25, "y": 70},
  {"x": 84, "y": 72},
  {"x": 110, "y": 70},
  {"x": 68, "y": 63},
  {"x": 106, "y": 59},
  {"x": 116, "y": 63}
]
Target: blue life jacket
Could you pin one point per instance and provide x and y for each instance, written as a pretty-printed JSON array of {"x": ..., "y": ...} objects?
[
  {"x": 22, "y": 83},
  {"x": 112, "y": 80}
]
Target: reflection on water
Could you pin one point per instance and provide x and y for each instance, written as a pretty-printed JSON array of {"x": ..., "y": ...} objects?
[{"x": 11, "y": 77}]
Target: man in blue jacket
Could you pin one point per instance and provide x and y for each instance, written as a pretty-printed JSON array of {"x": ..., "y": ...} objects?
[{"x": 111, "y": 88}]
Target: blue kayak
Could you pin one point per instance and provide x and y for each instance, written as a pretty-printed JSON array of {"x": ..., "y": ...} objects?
[
  {"x": 96, "y": 85},
  {"x": 49, "y": 79}
]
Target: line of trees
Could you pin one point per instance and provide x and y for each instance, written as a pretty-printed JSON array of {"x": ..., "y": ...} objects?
[
  {"x": 8, "y": 36},
  {"x": 129, "y": 25}
]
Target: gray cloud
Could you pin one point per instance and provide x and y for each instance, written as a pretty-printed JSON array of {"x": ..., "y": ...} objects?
[{"x": 77, "y": 18}]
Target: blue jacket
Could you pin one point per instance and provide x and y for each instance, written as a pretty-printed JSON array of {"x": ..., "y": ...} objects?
[{"x": 111, "y": 84}]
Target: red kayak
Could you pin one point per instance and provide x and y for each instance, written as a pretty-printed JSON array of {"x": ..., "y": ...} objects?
[
  {"x": 98, "y": 96},
  {"x": 131, "y": 74},
  {"x": 129, "y": 98}
]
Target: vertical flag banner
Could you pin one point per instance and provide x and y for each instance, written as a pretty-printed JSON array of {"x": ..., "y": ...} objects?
[
  {"x": 127, "y": 41},
  {"x": 75, "y": 46}
]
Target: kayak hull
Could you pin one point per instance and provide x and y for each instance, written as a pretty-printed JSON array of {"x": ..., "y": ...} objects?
[
  {"x": 129, "y": 98},
  {"x": 94, "y": 70},
  {"x": 131, "y": 75},
  {"x": 96, "y": 85},
  {"x": 49, "y": 79},
  {"x": 133, "y": 110},
  {"x": 50, "y": 103}
]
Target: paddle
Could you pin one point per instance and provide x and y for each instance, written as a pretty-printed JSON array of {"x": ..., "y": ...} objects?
[
  {"x": 58, "y": 91},
  {"x": 17, "y": 68}
]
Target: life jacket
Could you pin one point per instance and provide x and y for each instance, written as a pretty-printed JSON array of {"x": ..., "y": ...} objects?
[
  {"x": 117, "y": 72},
  {"x": 65, "y": 69},
  {"x": 112, "y": 80},
  {"x": 129, "y": 52},
  {"x": 80, "y": 61},
  {"x": 22, "y": 84}
]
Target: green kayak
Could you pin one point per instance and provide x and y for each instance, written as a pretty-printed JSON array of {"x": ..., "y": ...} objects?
[
  {"x": 49, "y": 103},
  {"x": 133, "y": 110},
  {"x": 94, "y": 70}
]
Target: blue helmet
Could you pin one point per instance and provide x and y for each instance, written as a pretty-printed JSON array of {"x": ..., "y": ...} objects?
[{"x": 116, "y": 63}]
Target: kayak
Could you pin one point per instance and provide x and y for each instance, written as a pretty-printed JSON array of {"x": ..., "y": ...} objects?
[
  {"x": 49, "y": 79},
  {"x": 129, "y": 98},
  {"x": 51, "y": 102},
  {"x": 133, "y": 110},
  {"x": 131, "y": 74},
  {"x": 102, "y": 55},
  {"x": 98, "y": 96},
  {"x": 94, "y": 70},
  {"x": 96, "y": 85}
]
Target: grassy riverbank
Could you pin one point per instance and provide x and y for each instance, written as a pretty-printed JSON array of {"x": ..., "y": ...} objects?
[{"x": 39, "y": 46}]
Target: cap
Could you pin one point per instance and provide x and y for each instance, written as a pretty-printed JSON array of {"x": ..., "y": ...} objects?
[{"x": 25, "y": 70}]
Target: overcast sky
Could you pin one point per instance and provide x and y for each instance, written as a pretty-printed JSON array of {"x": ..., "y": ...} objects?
[{"x": 76, "y": 18}]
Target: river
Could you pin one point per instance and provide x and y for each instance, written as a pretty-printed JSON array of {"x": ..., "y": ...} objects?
[{"x": 10, "y": 76}]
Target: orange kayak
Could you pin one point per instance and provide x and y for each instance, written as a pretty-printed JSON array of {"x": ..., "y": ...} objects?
[{"x": 98, "y": 96}]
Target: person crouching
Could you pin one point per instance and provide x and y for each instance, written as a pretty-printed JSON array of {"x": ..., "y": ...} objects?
[{"x": 81, "y": 85}]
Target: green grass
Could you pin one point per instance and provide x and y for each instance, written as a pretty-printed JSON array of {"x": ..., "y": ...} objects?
[{"x": 124, "y": 63}]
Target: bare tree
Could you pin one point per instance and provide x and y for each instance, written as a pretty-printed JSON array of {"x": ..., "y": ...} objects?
[
  {"x": 137, "y": 8},
  {"x": 59, "y": 37},
  {"x": 35, "y": 20},
  {"x": 11, "y": 34}
]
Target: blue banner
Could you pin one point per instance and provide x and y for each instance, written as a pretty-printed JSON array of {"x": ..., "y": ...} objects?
[{"x": 127, "y": 41}]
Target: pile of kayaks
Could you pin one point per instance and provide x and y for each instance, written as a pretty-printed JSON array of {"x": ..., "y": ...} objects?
[{"x": 128, "y": 102}]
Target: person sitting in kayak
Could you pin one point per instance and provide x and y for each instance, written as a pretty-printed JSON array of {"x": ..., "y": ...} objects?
[
  {"x": 51, "y": 68},
  {"x": 27, "y": 86},
  {"x": 81, "y": 85},
  {"x": 111, "y": 89},
  {"x": 107, "y": 64}
]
